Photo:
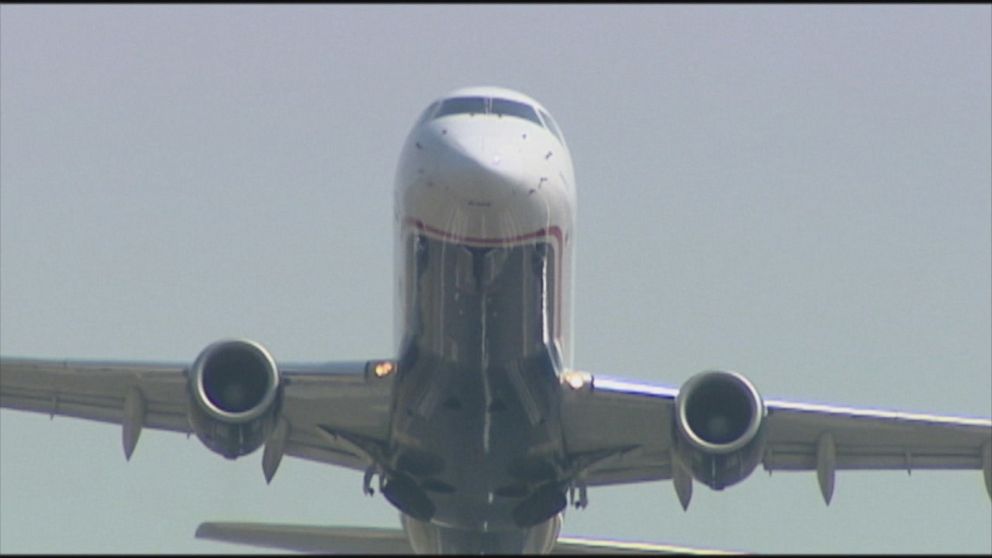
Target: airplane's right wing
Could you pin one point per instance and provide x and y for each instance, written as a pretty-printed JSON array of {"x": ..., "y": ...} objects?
[{"x": 332, "y": 412}]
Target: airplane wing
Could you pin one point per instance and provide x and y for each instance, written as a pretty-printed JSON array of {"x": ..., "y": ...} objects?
[
  {"x": 622, "y": 432},
  {"x": 582, "y": 545},
  {"x": 333, "y": 412},
  {"x": 372, "y": 540},
  {"x": 308, "y": 538}
]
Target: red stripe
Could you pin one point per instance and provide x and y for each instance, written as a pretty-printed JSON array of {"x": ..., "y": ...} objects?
[{"x": 553, "y": 230}]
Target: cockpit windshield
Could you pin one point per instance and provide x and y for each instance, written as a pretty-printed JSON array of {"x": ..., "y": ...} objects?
[
  {"x": 462, "y": 105},
  {"x": 507, "y": 107},
  {"x": 496, "y": 106},
  {"x": 486, "y": 105}
]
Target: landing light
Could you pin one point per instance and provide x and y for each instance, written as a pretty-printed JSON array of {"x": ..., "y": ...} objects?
[
  {"x": 383, "y": 369},
  {"x": 575, "y": 380}
]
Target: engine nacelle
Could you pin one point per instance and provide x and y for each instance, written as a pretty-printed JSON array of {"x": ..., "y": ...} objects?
[
  {"x": 718, "y": 418},
  {"x": 234, "y": 387}
]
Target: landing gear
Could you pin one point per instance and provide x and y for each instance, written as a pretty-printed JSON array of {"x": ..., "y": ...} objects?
[
  {"x": 410, "y": 499},
  {"x": 583, "y": 499},
  {"x": 367, "y": 482},
  {"x": 540, "y": 506}
]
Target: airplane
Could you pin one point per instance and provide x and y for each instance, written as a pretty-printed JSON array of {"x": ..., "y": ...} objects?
[{"x": 479, "y": 430}]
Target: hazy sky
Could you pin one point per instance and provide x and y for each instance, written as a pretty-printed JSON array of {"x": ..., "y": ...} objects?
[{"x": 799, "y": 193}]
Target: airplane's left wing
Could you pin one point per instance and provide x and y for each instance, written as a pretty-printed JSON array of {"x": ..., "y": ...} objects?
[
  {"x": 335, "y": 412},
  {"x": 618, "y": 431}
]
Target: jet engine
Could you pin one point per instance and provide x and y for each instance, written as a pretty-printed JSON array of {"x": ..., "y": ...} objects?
[
  {"x": 718, "y": 418},
  {"x": 234, "y": 391}
]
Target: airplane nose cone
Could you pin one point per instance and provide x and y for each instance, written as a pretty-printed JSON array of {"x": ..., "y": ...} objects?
[{"x": 480, "y": 170}]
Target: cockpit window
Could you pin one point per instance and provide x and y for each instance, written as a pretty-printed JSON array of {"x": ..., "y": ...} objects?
[
  {"x": 462, "y": 105},
  {"x": 552, "y": 126},
  {"x": 485, "y": 105},
  {"x": 504, "y": 107}
]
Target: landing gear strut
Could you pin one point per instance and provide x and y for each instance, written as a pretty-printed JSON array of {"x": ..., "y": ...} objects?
[
  {"x": 583, "y": 499},
  {"x": 367, "y": 482}
]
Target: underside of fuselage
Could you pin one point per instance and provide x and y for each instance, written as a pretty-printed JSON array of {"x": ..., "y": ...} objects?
[{"x": 476, "y": 444}]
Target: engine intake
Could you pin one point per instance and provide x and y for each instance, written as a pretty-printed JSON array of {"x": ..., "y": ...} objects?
[
  {"x": 718, "y": 416},
  {"x": 234, "y": 387}
]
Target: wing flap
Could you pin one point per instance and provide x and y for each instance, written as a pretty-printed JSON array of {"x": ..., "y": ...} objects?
[
  {"x": 324, "y": 451},
  {"x": 95, "y": 390},
  {"x": 872, "y": 439}
]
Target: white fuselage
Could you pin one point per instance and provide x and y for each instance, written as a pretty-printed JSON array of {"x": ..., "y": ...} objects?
[
  {"x": 487, "y": 180},
  {"x": 485, "y": 212}
]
